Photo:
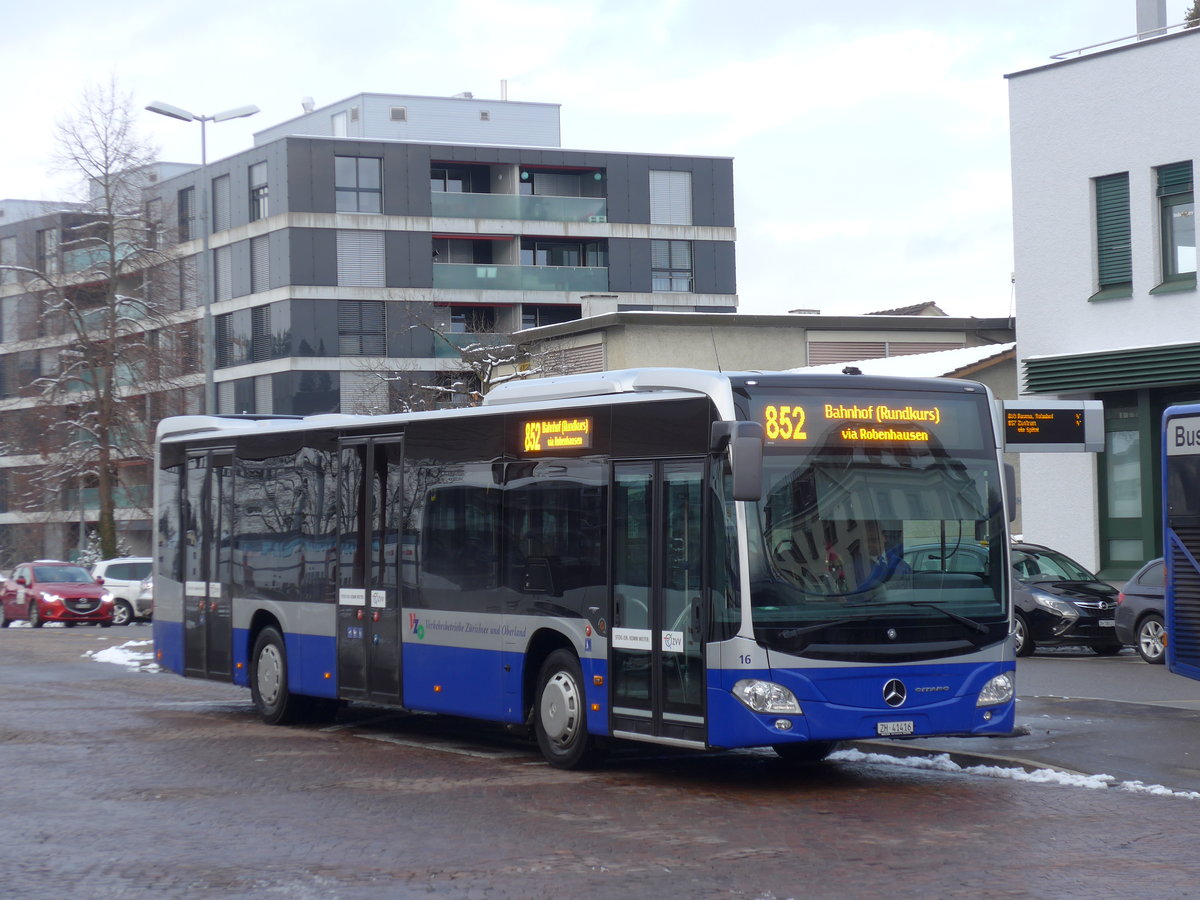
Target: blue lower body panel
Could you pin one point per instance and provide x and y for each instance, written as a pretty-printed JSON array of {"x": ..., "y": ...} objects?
[{"x": 849, "y": 703}]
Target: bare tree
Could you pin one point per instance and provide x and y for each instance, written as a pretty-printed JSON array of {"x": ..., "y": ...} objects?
[
  {"x": 1191, "y": 18},
  {"x": 100, "y": 295}
]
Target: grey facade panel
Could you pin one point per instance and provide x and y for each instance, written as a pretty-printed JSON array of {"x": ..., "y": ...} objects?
[
  {"x": 721, "y": 192},
  {"x": 629, "y": 265},
  {"x": 239, "y": 273},
  {"x": 313, "y": 256},
  {"x": 409, "y": 259},
  {"x": 720, "y": 267},
  {"x": 279, "y": 261}
]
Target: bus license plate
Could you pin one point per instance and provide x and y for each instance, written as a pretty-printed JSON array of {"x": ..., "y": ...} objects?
[
  {"x": 1108, "y": 623},
  {"x": 890, "y": 729}
]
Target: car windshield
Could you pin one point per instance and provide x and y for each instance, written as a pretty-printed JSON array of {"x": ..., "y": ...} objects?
[
  {"x": 1048, "y": 565},
  {"x": 62, "y": 574}
]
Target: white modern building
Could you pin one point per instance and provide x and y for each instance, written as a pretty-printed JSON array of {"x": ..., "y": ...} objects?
[{"x": 1104, "y": 144}]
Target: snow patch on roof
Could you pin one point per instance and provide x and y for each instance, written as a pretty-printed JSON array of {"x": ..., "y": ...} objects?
[{"x": 918, "y": 365}]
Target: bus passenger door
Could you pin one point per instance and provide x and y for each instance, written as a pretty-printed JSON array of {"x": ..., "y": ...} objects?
[
  {"x": 368, "y": 612},
  {"x": 657, "y": 645},
  {"x": 207, "y": 602}
]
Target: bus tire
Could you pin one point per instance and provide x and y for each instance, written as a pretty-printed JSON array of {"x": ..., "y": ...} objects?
[
  {"x": 269, "y": 680},
  {"x": 560, "y": 713},
  {"x": 805, "y": 751}
]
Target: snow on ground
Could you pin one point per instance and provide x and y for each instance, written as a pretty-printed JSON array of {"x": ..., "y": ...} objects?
[
  {"x": 128, "y": 654},
  {"x": 943, "y": 763}
]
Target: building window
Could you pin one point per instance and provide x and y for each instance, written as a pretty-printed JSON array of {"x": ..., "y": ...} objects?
[
  {"x": 223, "y": 339},
  {"x": 258, "y": 191},
  {"x": 187, "y": 214},
  {"x": 8, "y": 257},
  {"x": 360, "y": 259},
  {"x": 671, "y": 266},
  {"x": 1178, "y": 210},
  {"x": 222, "y": 260},
  {"x": 537, "y": 252},
  {"x": 535, "y": 316},
  {"x": 220, "y": 201},
  {"x": 399, "y": 114},
  {"x": 260, "y": 333},
  {"x": 1114, "y": 261},
  {"x": 450, "y": 179},
  {"x": 46, "y": 250},
  {"x": 260, "y": 264},
  {"x": 670, "y": 198},
  {"x": 362, "y": 328},
  {"x": 153, "y": 222},
  {"x": 472, "y": 320},
  {"x": 358, "y": 182}
]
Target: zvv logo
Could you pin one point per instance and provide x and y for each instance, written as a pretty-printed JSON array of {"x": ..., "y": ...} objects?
[{"x": 415, "y": 626}]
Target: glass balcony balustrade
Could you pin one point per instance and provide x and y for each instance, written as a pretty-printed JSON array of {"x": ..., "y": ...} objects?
[
  {"x": 127, "y": 497},
  {"x": 460, "y": 276},
  {"x": 517, "y": 206}
]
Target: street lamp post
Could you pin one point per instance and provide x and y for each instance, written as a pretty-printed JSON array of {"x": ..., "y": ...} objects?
[{"x": 206, "y": 286}]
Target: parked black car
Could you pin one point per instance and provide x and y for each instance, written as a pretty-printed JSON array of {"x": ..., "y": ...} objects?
[
  {"x": 1058, "y": 601},
  {"x": 1140, "y": 608}
]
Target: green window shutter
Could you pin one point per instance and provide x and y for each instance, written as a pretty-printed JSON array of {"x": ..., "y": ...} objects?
[
  {"x": 1175, "y": 179},
  {"x": 1112, "y": 230}
]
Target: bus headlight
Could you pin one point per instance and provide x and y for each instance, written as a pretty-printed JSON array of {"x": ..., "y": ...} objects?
[
  {"x": 999, "y": 690},
  {"x": 766, "y": 697}
]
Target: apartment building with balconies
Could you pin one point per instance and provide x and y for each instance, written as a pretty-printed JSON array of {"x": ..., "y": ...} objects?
[{"x": 356, "y": 247}]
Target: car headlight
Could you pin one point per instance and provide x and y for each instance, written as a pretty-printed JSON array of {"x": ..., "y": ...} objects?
[
  {"x": 106, "y": 598},
  {"x": 52, "y": 598},
  {"x": 999, "y": 690},
  {"x": 766, "y": 696},
  {"x": 1056, "y": 606}
]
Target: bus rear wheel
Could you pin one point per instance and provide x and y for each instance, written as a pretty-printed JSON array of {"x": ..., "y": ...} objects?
[
  {"x": 269, "y": 680},
  {"x": 560, "y": 714}
]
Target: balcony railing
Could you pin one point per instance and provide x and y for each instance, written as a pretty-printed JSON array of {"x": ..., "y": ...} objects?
[
  {"x": 518, "y": 206},
  {"x": 584, "y": 279},
  {"x": 131, "y": 497}
]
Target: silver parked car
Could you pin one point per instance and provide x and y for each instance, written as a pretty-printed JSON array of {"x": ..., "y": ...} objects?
[{"x": 123, "y": 579}]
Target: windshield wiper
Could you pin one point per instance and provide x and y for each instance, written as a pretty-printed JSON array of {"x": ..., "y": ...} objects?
[
  {"x": 789, "y": 633},
  {"x": 962, "y": 620}
]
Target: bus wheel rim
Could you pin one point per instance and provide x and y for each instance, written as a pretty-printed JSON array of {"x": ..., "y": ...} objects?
[
  {"x": 270, "y": 669},
  {"x": 560, "y": 709}
]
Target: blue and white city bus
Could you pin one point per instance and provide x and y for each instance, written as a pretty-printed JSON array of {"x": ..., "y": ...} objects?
[
  {"x": 696, "y": 559},
  {"x": 1181, "y": 536}
]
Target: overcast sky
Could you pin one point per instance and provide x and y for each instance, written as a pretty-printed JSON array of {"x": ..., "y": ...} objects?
[{"x": 870, "y": 138}]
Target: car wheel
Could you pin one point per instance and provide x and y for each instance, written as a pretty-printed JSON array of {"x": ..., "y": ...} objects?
[
  {"x": 1023, "y": 643},
  {"x": 269, "y": 681},
  {"x": 1151, "y": 640},
  {"x": 1108, "y": 649},
  {"x": 560, "y": 713},
  {"x": 806, "y": 752},
  {"x": 35, "y": 616},
  {"x": 122, "y": 613}
]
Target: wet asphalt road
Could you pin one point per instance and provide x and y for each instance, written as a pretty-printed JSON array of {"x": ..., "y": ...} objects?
[{"x": 124, "y": 784}]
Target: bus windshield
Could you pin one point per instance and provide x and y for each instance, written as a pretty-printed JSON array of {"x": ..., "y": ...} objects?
[{"x": 856, "y": 545}]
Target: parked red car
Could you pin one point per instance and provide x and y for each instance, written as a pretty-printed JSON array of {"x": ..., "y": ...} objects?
[{"x": 52, "y": 591}]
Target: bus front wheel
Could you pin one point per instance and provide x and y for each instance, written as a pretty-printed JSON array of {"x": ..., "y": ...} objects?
[
  {"x": 269, "y": 680},
  {"x": 560, "y": 713}
]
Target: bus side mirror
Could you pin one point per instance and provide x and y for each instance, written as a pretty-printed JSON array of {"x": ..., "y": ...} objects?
[
  {"x": 1010, "y": 489},
  {"x": 745, "y": 443}
]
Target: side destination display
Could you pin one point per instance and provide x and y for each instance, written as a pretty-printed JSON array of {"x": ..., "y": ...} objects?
[{"x": 1053, "y": 426}]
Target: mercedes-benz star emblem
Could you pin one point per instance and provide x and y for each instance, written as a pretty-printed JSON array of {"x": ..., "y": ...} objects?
[{"x": 894, "y": 692}]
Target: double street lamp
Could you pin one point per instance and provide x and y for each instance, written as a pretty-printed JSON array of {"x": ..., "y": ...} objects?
[{"x": 206, "y": 286}]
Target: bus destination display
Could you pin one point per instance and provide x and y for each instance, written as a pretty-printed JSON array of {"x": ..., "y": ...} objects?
[
  {"x": 574, "y": 433},
  {"x": 859, "y": 422}
]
